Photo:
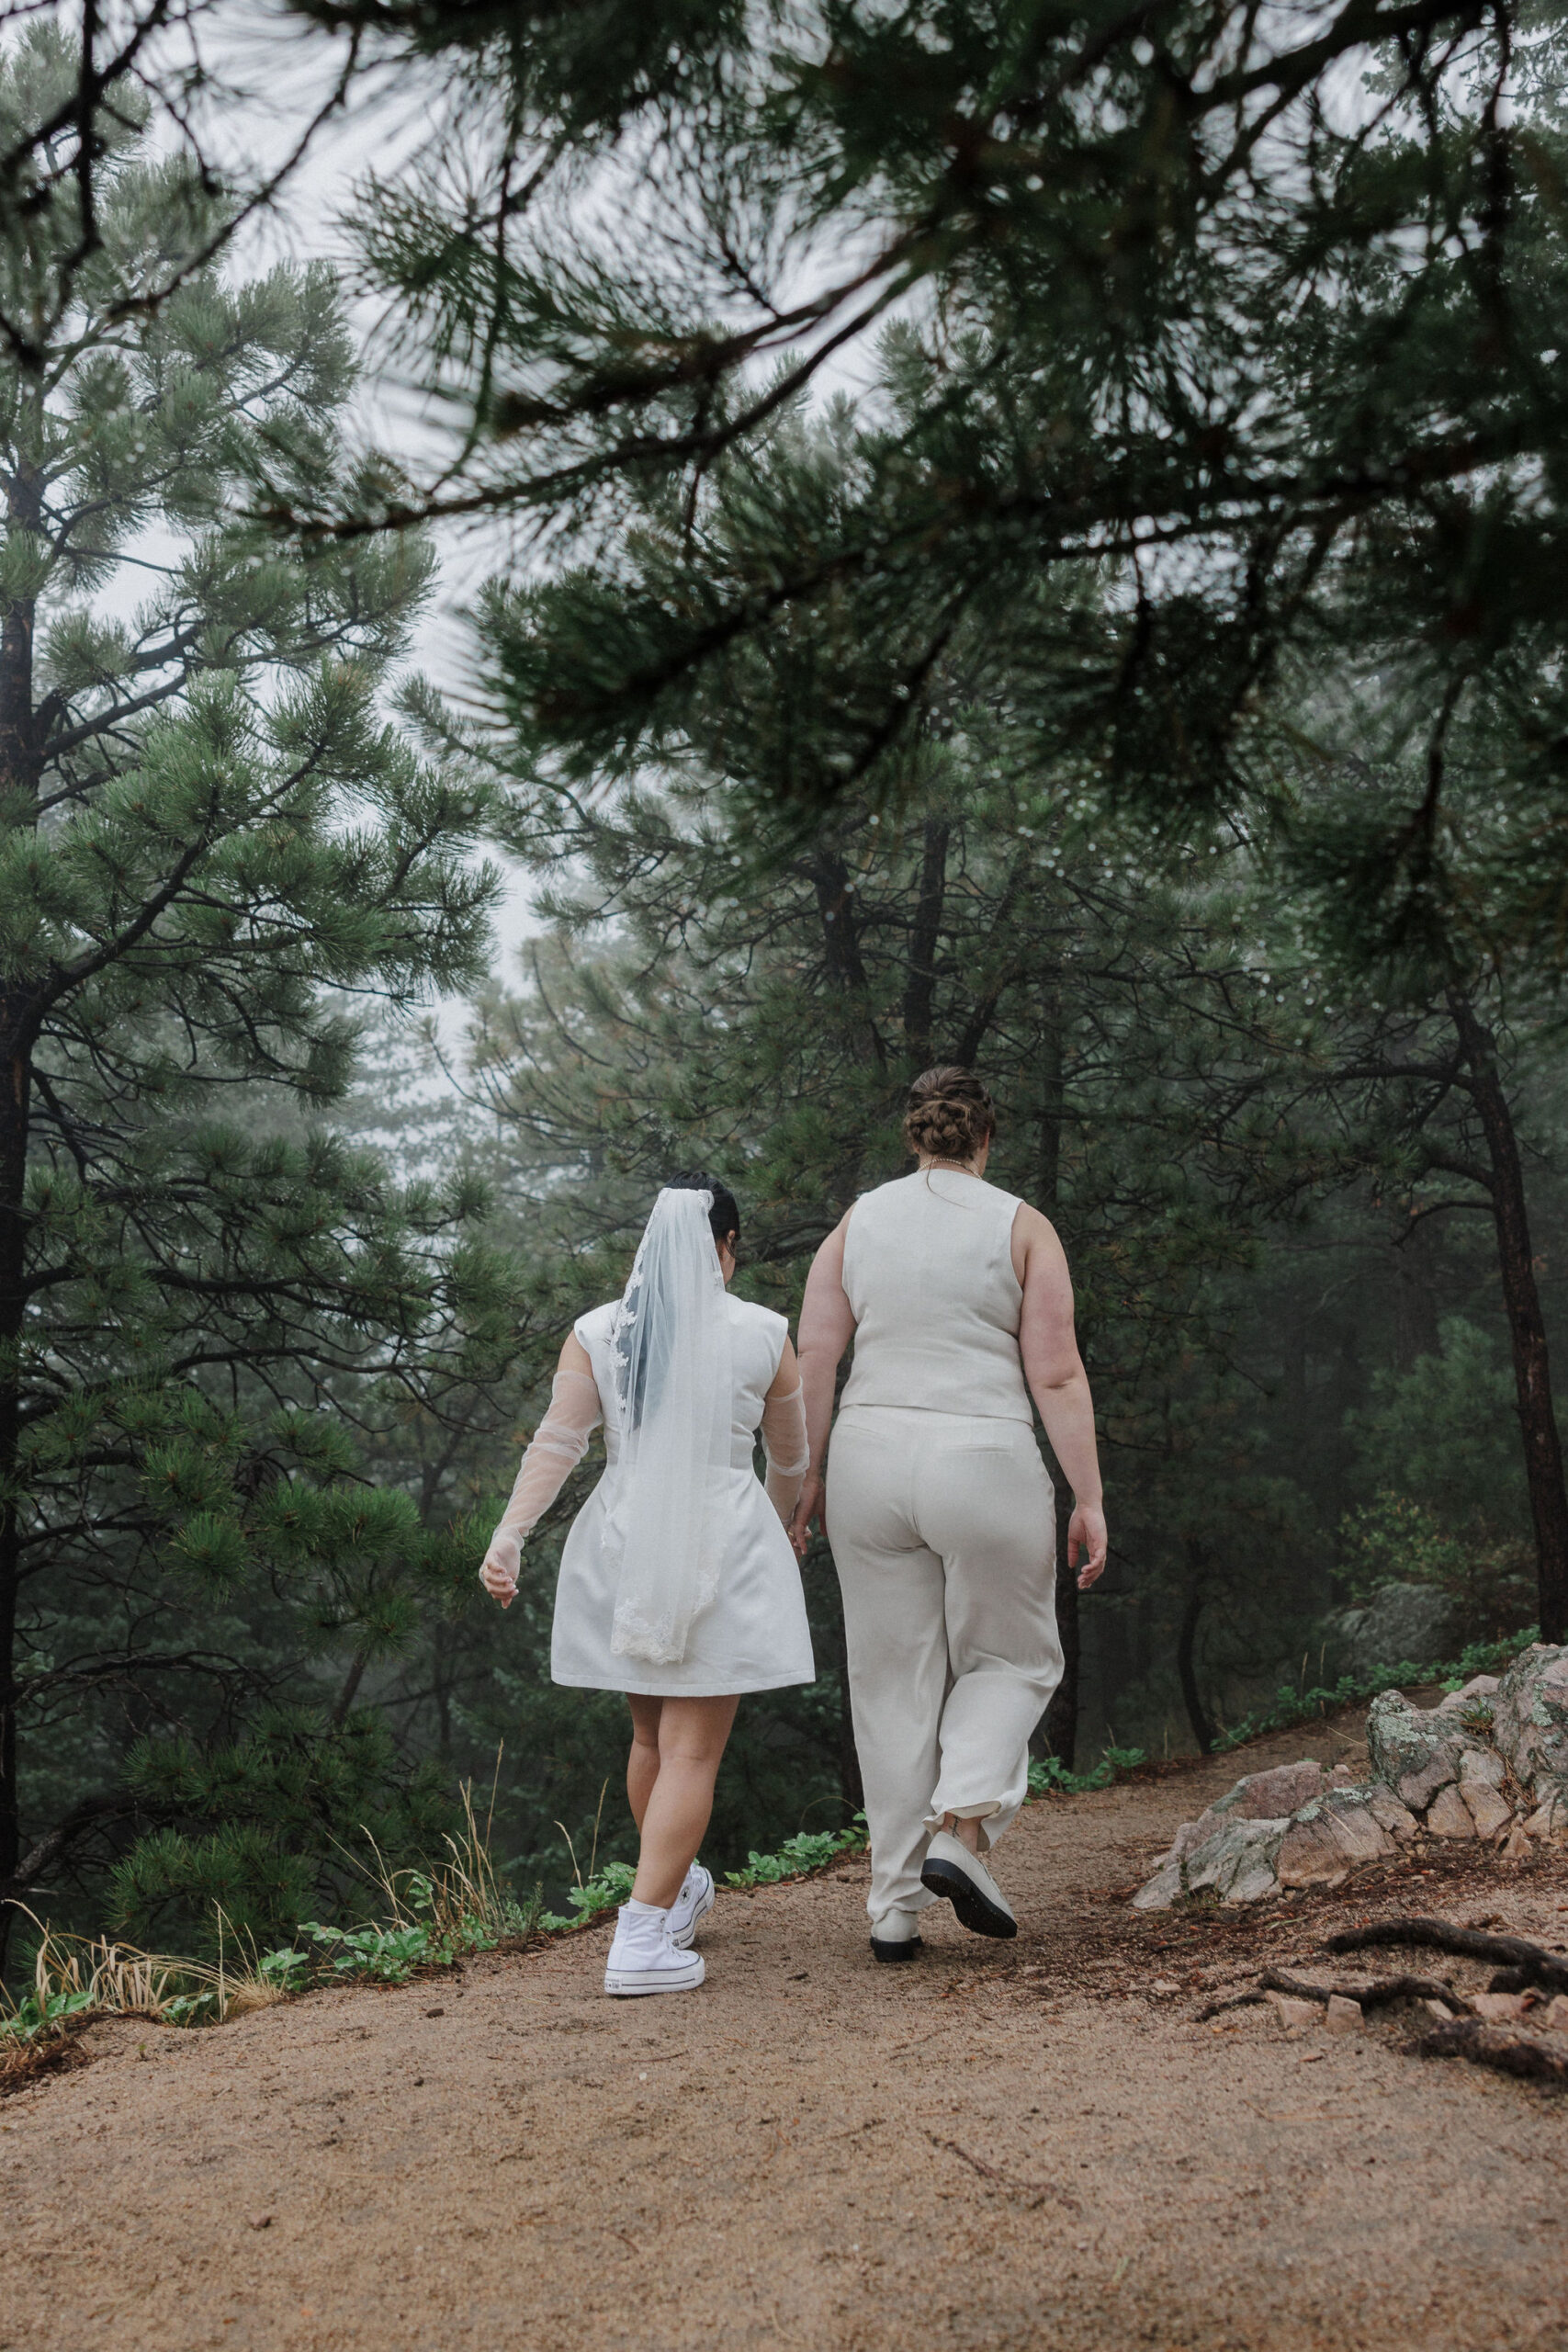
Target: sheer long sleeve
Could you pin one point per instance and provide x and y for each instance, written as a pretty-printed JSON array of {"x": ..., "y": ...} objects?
[
  {"x": 785, "y": 1444},
  {"x": 558, "y": 1445}
]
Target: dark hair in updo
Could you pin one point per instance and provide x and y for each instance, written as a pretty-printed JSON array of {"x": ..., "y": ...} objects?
[
  {"x": 950, "y": 1114},
  {"x": 724, "y": 1215}
]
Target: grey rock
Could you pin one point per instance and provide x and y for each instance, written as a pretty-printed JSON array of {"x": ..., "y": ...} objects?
[
  {"x": 1490, "y": 1811},
  {"x": 1294, "y": 2012},
  {"x": 1474, "y": 1701},
  {"x": 1389, "y": 1813},
  {"x": 1260, "y": 1796},
  {"x": 1529, "y": 1724},
  {"x": 1234, "y": 1858},
  {"x": 1550, "y": 1818},
  {"x": 1417, "y": 1750},
  {"x": 1404, "y": 1622},
  {"x": 1296, "y": 1826},
  {"x": 1242, "y": 1858},
  {"x": 1238, "y": 1861},
  {"x": 1160, "y": 1891},
  {"x": 1448, "y": 1815},
  {"x": 1479, "y": 1768},
  {"x": 1326, "y": 1838}
]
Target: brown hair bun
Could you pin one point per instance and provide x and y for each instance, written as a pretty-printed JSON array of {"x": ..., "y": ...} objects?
[{"x": 950, "y": 1114}]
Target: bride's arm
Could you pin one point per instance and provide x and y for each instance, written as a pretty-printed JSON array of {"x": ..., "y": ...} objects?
[
  {"x": 559, "y": 1444},
  {"x": 1053, "y": 1369},
  {"x": 827, "y": 1327},
  {"x": 784, "y": 1436}
]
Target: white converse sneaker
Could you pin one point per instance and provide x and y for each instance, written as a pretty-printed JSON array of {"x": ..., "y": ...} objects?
[
  {"x": 951, "y": 1870},
  {"x": 895, "y": 1936},
  {"x": 642, "y": 1958},
  {"x": 690, "y": 1906}
]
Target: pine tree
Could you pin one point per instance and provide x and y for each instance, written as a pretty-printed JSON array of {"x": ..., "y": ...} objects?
[
  {"x": 215, "y": 843},
  {"x": 1246, "y": 322},
  {"x": 1450, "y": 982}
]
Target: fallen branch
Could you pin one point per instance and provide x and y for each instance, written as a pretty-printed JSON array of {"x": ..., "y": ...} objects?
[
  {"x": 1371, "y": 1992},
  {"x": 1491, "y": 2045},
  {"x": 1230, "y": 2001},
  {"x": 1536, "y": 1965}
]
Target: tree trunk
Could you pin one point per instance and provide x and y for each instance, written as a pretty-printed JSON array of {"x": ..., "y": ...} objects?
[
  {"x": 1051, "y": 1092},
  {"x": 18, "y": 1019},
  {"x": 14, "y": 1106},
  {"x": 925, "y": 935},
  {"x": 350, "y": 1692},
  {"x": 1526, "y": 1326},
  {"x": 840, "y": 947},
  {"x": 1059, "y": 1727},
  {"x": 1186, "y": 1647}
]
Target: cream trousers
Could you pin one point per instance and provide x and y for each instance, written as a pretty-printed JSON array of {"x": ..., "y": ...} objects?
[{"x": 943, "y": 1535}]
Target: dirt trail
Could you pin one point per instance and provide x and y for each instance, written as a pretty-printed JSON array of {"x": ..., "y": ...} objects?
[{"x": 1001, "y": 2145}]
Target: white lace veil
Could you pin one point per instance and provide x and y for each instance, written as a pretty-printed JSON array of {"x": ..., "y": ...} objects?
[{"x": 669, "y": 1349}]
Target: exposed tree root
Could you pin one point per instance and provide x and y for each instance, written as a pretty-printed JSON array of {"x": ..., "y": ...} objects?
[
  {"x": 1492, "y": 2045},
  {"x": 1535, "y": 1963},
  {"x": 1372, "y": 1992}
]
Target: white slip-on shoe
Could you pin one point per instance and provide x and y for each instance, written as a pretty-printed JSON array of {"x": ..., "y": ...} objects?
[
  {"x": 895, "y": 1936},
  {"x": 642, "y": 1958},
  {"x": 690, "y": 1906},
  {"x": 951, "y": 1870}
]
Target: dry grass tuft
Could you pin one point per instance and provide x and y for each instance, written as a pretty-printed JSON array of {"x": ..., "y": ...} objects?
[
  {"x": 460, "y": 1902},
  {"x": 78, "y": 1978},
  {"x": 22, "y": 2063}
]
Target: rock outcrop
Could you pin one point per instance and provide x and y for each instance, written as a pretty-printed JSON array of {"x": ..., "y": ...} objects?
[
  {"x": 1490, "y": 1762},
  {"x": 1529, "y": 1725},
  {"x": 1413, "y": 1622}
]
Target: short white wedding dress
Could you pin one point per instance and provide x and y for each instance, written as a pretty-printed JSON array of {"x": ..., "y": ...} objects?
[{"x": 752, "y": 1634}]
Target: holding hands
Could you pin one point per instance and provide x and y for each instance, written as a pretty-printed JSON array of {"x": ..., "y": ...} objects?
[
  {"x": 502, "y": 1565},
  {"x": 805, "y": 1512}
]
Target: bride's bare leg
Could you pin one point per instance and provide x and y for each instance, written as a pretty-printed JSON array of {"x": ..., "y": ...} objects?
[
  {"x": 642, "y": 1764},
  {"x": 966, "y": 1832},
  {"x": 691, "y": 1734}
]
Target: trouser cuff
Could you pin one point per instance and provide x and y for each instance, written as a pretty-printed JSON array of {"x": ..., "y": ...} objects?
[{"x": 983, "y": 1812}]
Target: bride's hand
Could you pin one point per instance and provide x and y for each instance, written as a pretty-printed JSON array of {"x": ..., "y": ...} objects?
[
  {"x": 1087, "y": 1533},
  {"x": 499, "y": 1574},
  {"x": 805, "y": 1512}
]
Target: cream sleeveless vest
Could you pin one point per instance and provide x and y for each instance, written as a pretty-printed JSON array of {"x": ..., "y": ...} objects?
[{"x": 928, "y": 1273}]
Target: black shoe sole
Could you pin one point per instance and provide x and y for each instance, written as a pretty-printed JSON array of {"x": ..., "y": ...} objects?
[
  {"x": 894, "y": 1952},
  {"x": 981, "y": 1918}
]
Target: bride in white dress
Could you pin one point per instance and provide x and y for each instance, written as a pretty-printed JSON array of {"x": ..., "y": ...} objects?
[{"x": 678, "y": 1584}]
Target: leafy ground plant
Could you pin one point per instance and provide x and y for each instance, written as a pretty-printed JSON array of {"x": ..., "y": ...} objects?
[
  {"x": 812, "y": 1849},
  {"x": 1049, "y": 1776},
  {"x": 613, "y": 1885}
]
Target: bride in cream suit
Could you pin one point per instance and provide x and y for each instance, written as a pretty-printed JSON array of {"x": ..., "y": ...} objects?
[{"x": 938, "y": 1505}]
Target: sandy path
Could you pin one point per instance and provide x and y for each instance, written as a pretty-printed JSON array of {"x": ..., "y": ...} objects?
[{"x": 997, "y": 2146}]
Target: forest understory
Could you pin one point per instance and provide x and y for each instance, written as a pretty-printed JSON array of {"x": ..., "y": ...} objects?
[{"x": 1042, "y": 2143}]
